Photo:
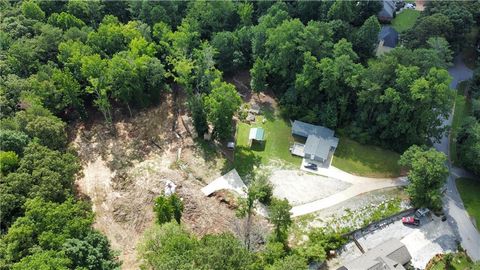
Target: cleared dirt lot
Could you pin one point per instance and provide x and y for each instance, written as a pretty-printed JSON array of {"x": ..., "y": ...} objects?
[
  {"x": 301, "y": 187},
  {"x": 423, "y": 242},
  {"x": 126, "y": 166}
]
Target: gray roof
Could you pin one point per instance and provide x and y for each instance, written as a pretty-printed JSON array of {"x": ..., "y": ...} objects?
[
  {"x": 388, "y": 9},
  {"x": 320, "y": 140},
  {"x": 391, "y": 254},
  {"x": 305, "y": 129},
  {"x": 389, "y": 36},
  {"x": 320, "y": 146}
]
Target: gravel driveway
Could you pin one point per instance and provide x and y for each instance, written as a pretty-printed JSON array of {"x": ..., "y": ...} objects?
[{"x": 301, "y": 187}]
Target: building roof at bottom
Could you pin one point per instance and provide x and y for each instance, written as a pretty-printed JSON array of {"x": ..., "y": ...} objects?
[{"x": 391, "y": 254}]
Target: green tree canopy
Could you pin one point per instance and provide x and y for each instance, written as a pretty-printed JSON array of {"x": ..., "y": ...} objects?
[
  {"x": 221, "y": 104},
  {"x": 427, "y": 174}
]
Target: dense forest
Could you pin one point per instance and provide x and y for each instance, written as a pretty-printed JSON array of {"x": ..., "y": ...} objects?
[{"x": 59, "y": 61}]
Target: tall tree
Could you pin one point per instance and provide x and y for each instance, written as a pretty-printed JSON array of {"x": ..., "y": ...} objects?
[
  {"x": 279, "y": 215},
  {"x": 221, "y": 104},
  {"x": 366, "y": 38},
  {"x": 427, "y": 174}
]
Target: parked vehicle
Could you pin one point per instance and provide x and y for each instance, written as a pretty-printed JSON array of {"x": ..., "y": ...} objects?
[
  {"x": 311, "y": 166},
  {"x": 422, "y": 212},
  {"x": 411, "y": 221}
]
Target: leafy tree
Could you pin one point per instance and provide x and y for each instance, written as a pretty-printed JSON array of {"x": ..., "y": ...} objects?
[
  {"x": 65, "y": 21},
  {"x": 39, "y": 123},
  {"x": 13, "y": 140},
  {"x": 87, "y": 11},
  {"x": 283, "y": 45},
  {"x": 113, "y": 36},
  {"x": 259, "y": 76},
  {"x": 48, "y": 259},
  {"x": 168, "y": 246},
  {"x": 436, "y": 25},
  {"x": 11, "y": 89},
  {"x": 289, "y": 262},
  {"x": 8, "y": 162},
  {"x": 23, "y": 57},
  {"x": 468, "y": 141},
  {"x": 341, "y": 10},
  {"x": 59, "y": 90},
  {"x": 167, "y": 208},
  {"x": 205, "y": 72},
  {"x": 401, "y": 104},
  {"x": 366, "y": 38},
  {"x": 365, "y": 9},
  {"x": 221, "y": 104},
  {"x": 223, "y": 251},
  {"x": 31, "y": 10},
  {"x": 210, "y": 17},
  {"x": 151, "y": 12},
  {"x": 46, "y": 225},
  {"x": 245, "y": 12},
  {"x": 279, "y": 216},
  {"x": 92, "y": 252},
  {"x": 427, "y": 174},
  {"x": 318, "y": 39},
  {"x": 229, "y": 57},
  {"x": 320, "y": 242},
  {"x": 14, "y": 188},
  {"x": 199, "y": 116},
  {"x": 441, "y": 46}
]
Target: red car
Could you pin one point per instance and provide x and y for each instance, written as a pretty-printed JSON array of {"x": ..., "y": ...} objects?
[{"x": 410, "y": 221}]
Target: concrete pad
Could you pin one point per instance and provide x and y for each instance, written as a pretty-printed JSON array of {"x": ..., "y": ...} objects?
[{"x": 300, "y": 187}]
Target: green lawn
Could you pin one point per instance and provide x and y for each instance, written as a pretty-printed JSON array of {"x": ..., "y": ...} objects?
[
  {"x": 350, "y": 156},
  {"x": 470, "y": 192},
  {"x": 459, "y": 262},
  {"x": 405, "y": 20},
  {"x": 462, "y": 110},
  {"x": 276, "y": 146},
  {"x": 365, "y": 160}
]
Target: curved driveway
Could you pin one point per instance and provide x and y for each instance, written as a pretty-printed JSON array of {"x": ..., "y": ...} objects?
[
  {"x": 359, "y": 186},
  {"x": 453, "y": 205}
]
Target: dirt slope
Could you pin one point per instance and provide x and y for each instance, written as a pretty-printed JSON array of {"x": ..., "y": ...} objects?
[{"x": 125, "y": 168}]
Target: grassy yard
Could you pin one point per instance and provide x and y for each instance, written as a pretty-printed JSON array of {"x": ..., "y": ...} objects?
[
  {"x": 469, "y": 191},
  {"x": 365, "y": 160},
  {"x": 405, "y": 20},
  {"x": 276, "y": 146},
  {"x": 459, "y": 262},
  {"x": 462, "y": 110}
]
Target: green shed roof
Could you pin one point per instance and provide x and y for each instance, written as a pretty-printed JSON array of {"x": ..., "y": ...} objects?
[{"x": 257, "y": 134}]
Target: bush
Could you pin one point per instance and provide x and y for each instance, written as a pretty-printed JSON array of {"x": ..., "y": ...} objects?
[
  {"x": 167, "y": 208},
  {"x": 8, "y": 162}
]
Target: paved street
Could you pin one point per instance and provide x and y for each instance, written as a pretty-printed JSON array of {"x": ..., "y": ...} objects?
[{"x": 453, "y": 205}]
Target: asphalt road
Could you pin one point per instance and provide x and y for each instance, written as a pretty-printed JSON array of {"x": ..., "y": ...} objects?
[{"x": 457, "y": 215}]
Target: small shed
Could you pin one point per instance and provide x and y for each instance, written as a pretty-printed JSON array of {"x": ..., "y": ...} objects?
[{"x": 256, "y": 134}]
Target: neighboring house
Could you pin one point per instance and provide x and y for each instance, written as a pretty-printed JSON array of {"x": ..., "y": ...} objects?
[
  {"x": 387, "y": 40},
  {"x": 390, "y": 255},
  {"x": 320, "y": 143},
  {"x": 388, "y": 11}
]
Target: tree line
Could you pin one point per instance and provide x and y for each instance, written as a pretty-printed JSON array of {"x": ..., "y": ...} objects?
[{"x": 59, "y": 59}]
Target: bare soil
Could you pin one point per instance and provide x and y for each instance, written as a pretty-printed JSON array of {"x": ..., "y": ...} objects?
[{"x": 126, "y": 166}]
